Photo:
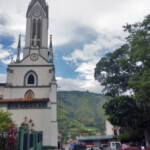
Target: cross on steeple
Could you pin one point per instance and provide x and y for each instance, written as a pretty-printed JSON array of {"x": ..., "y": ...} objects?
[{"x": 35, "y": 40}]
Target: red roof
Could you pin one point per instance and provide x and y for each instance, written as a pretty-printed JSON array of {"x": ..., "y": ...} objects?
[{"x": 24, "y": 100}]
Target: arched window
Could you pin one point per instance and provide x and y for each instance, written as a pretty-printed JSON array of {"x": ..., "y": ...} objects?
[
  {"x": 29, "y": 94},
  {"x": 33, "y": 30},
  {"x": 31, "y": 79},
  {"x": 39, "y": 32}
]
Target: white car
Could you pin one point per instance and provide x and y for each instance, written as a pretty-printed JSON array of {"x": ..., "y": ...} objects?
[{"x": 114, "y": 145}]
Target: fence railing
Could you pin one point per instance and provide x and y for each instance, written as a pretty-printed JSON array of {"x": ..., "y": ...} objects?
[
  {"x": 8, "y": 141},
  {"x": 22, "y": 140}
]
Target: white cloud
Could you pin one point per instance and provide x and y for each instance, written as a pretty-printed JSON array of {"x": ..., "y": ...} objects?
[
  {"x": 102, "y": 15},
  {"x": 78, "y": 85},
  {"x": 86, "y": 59},
  {"x": 4, "y": 55},
  {"x": 106, "y": 17},
  {"x": 95, "y": 49}
]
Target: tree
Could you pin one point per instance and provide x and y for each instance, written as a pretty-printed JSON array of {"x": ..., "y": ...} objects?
[
  {"x": 123, "y": 111},
  {"x": 5, "y": 120},
  {"x": 127, "y": 70},
  {"x": 113, "y": 71},
  {"x": 129, "y": 135},
  {"x": 11, "y": 136}
]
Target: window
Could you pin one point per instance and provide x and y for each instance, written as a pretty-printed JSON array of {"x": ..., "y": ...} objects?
[
  {"x": 115, "y": 132},
  {"x": 29, "y": 95},
  {"x": 31, "y": 79},
  {"x": 27, "y": 105},
  {"x": 33, "y": 31},
  {"x": 39, "y": 32}
]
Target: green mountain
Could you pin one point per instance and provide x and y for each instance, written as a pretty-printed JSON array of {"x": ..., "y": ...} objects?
[{"x": 80, "y": 110}]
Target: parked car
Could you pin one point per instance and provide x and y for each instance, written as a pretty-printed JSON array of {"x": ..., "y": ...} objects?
[
  {"x": 105, "y": 147},
  {"x": 100, "y": 147},
  {"x": 88, "y": 148},
  {"x": 96, "y": 148},
  {"x": 128, "y": 146},
  {"x": 79, "y": 147},
  {"x": 115, "y": 145}
]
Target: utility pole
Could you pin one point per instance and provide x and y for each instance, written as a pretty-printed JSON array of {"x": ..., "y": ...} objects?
[{"x": 69, "y": 136}]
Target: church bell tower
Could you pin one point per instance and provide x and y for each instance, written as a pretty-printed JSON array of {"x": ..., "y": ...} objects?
[
  {"x": 37, "y": 28},
  {"x": 31, "y": 86}
]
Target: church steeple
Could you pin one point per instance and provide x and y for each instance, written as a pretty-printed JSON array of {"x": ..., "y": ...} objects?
[
  {"x": 37, "y": 29},
  {"x": 51, "y": 49},
  {"x": 18, "y": 49},
  {"x": 31, "y": 82},
  {"x": 42, "y": 3}
]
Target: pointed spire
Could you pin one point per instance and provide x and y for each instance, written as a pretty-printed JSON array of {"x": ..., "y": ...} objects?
[
  {"x": 43, "y": 4},
  {"x": 40, "y": 1},
  {"x": 18, "y": 49},
  {"x": 51, "y": 49}
]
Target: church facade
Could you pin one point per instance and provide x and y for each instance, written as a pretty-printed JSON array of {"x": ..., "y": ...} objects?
[{"x": 30, "y": 89}]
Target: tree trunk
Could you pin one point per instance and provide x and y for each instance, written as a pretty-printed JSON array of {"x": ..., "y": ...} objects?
[{"x": 147, "y": 136}]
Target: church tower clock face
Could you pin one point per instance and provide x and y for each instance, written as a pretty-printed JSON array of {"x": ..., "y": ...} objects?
[{"x": 34, "y": 57}]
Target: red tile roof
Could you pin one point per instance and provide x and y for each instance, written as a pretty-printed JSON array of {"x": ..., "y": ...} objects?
[{"x": 24, "y": 100}]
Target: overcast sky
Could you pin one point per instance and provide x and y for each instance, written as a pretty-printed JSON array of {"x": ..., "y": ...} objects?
[{"x": 83, "y": 32}]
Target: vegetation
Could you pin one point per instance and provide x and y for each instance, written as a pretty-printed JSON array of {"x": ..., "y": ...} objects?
[
  {"x": 126, "y": 71},
  {"x": 11, "y": 137},
  {"x": 80, "y": 111},
  {"x": 5, "y": 120},
  {"x": 27, "y": 124},
  {"x": 127, "y": 135}
]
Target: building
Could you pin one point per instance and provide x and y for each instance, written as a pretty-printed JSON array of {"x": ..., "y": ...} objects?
[
  {"x": 1, "y": 90},
  {"x": 110, "y": 129},
  {"x": 30, "y": 89}
]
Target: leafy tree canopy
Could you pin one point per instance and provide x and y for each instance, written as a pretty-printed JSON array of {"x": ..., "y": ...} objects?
[
  {"x": 123, "y": 111},
  {"x": 5, "y": 120},
  {"x": 127, "y": 70}
]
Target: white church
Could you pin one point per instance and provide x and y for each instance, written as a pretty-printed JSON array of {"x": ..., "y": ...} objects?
[{"x": 30, "y": 89}]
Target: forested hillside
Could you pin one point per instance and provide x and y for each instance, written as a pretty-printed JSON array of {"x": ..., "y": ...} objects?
[{"x": 80, "y": 110}]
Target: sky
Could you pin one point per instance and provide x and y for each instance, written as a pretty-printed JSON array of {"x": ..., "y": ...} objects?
[{"x": 83, "y": 32}]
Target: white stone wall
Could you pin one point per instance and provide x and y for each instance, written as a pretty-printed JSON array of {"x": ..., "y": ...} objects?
[
  {"x": 109, "y": 127},
  {"x": 41, "y": 119},
  {"x": 28, "y": 33},
  {"x": 54, "y": 112},
  {"x": 44, "y": 33},
  {"x": 1, "y": 90},
  {"x": 25, "y": 52},
  {"x": 17, "y": 77},
  {"x": 44, "y": 53},
  {"x": 53, "y": 95},
  {"x": 54, "y": 134},
  {"x": 16, "y": 93}
]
